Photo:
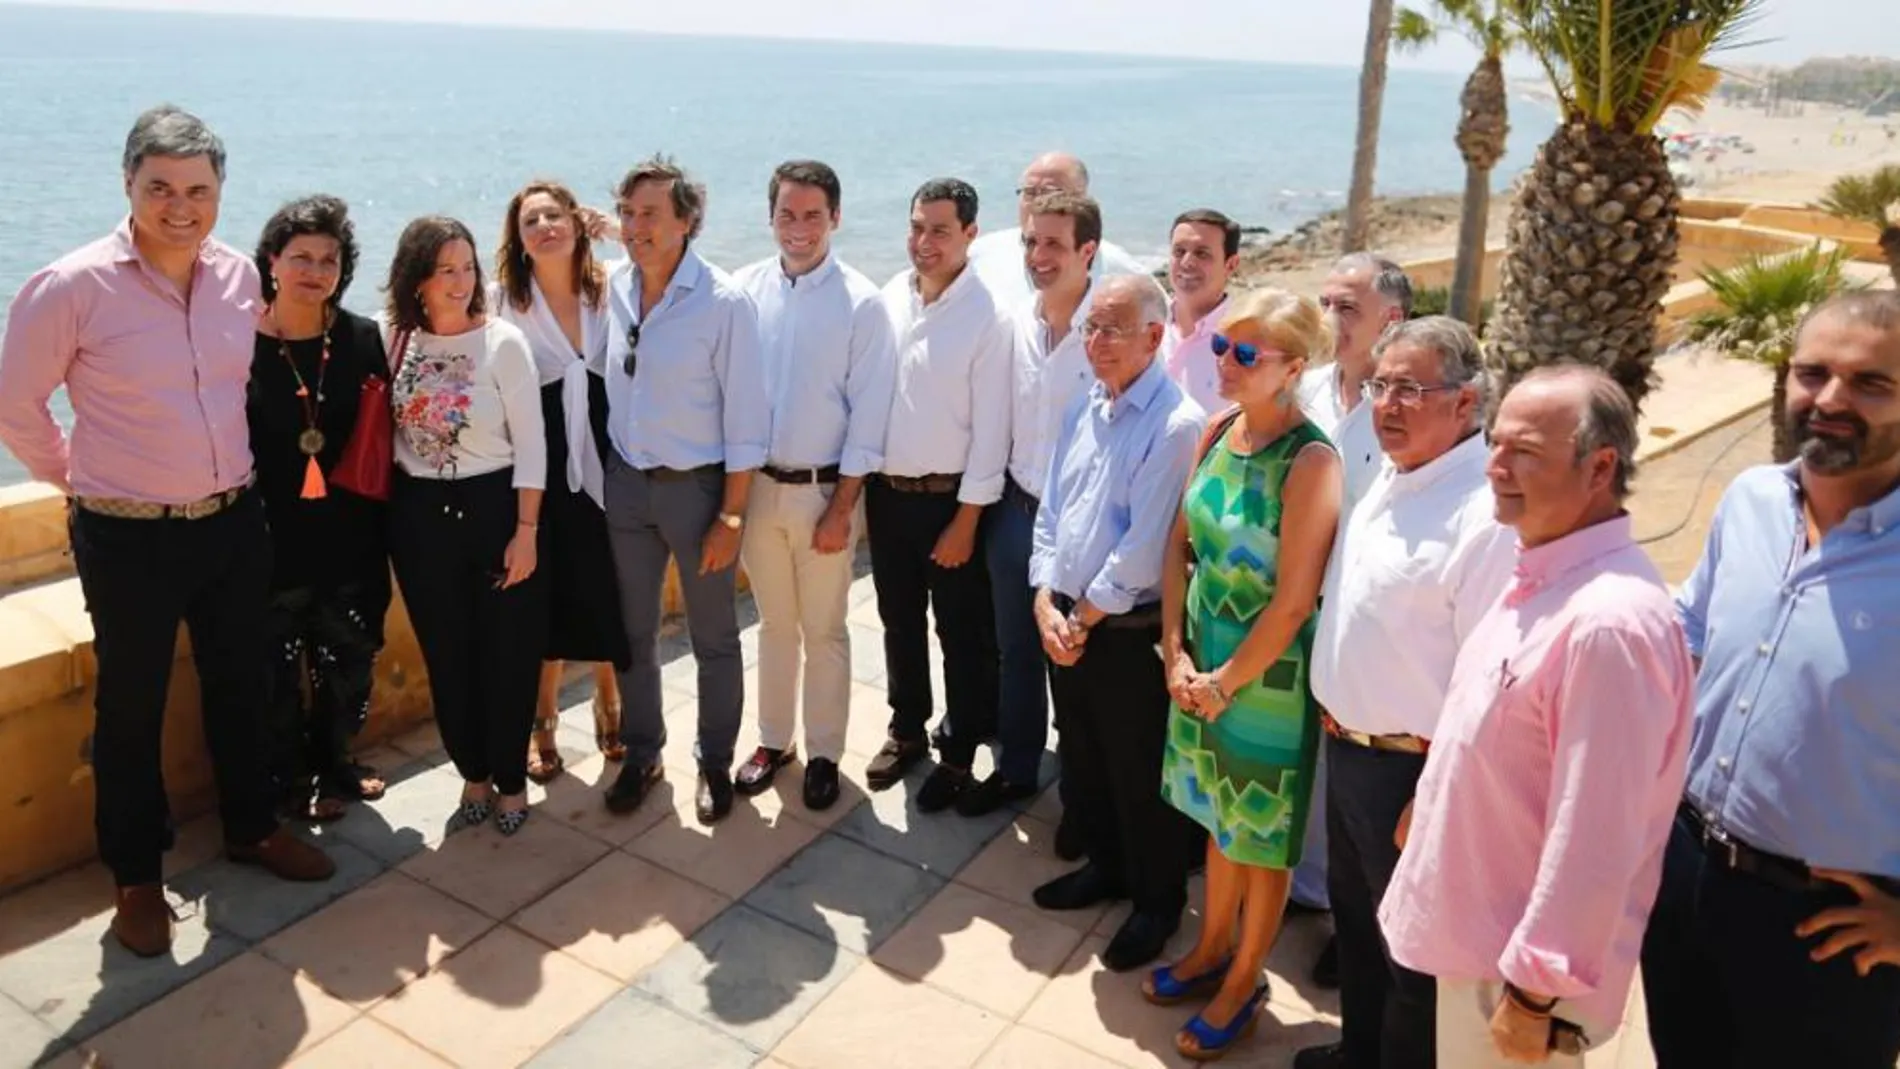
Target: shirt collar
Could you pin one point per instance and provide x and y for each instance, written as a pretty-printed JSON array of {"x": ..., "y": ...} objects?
[
  {"x": 1538, "y": 566},
  {"x": 1075, "y": 321},
  {"x": 686, "y": 276},
  {"x": 1204, "y": 325},
  {"x": 125, "y": 250},
  {"x": 1469, "y": 453},
  {"x": 1881, "y": 516},
  {"x": 1140, "y": 393},
  {"x": 964, "y": 280},
  {"x": 813, "y": 278}
]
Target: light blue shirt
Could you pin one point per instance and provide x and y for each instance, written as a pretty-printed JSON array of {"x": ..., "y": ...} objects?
[
  {"x": 697, "y": 395},
  {"x": 1114, "y": 489},
  {"x": 1797, "y": 735},
  {"x": 830, "y": 365}
]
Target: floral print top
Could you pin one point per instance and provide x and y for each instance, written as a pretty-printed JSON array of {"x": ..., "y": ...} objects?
[{"x": 469, "y": 404}]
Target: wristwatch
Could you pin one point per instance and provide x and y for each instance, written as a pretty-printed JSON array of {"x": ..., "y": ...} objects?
[{"x": 732, "y": 520}]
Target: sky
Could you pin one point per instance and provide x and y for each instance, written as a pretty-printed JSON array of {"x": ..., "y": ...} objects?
[{"x": 1292, "y": 31}]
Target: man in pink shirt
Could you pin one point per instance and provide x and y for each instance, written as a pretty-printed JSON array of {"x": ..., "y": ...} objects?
[
  {"x": 1533, "y": 849},
  {"x": 1203, "y": 254},
  {"x": 150, "y": 329}
]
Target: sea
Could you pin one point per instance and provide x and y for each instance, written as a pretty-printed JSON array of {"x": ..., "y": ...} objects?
[{"x": 404, "y": 119}]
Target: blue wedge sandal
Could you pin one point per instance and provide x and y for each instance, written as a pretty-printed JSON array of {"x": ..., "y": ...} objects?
[
  {"x": 1164, "y": 988},
  {"x": 1212, "y": 1044}
]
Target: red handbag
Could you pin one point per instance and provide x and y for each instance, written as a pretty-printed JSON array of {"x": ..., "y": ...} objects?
[{"x": 370, "y": 454}]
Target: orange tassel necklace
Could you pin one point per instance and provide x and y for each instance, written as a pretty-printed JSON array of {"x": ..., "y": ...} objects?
[{"x": 311, "y": 441}]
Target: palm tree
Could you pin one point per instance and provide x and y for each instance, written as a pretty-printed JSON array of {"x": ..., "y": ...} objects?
[
  {"x": 1593, "y": 225},
  {"x": 1482, "y": 128},
  {"x": 1763, "y": 300},
  {"x": 1873, "y": 199},
  {"x": 1365, "y": 153}
]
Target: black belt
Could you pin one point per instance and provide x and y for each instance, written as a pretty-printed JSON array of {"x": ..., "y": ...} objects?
[
  {"x": 801, "y": 476},
  {"x": 923, "y": 484},
  {"x": 1731, "y": 853},
  {"x": 1014, "y": 493},
  {"x": 678, "y": 475},
  {"x": 1138, "y": 618}
]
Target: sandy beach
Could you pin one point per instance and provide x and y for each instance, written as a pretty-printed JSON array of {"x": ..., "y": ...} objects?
[{"x": 1795, "y": 155}]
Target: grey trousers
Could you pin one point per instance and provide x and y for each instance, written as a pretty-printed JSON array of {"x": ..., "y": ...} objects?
[{"x": 651, "y": 519}]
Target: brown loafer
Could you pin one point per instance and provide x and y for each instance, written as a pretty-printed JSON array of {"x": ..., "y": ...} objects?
[
  {"x": 284, "y": 856},
  {"x": 143, "y": 920}
]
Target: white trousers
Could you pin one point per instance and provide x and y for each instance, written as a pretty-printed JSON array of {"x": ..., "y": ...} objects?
[
  {"x": 1464, "y": 1030},
  {"x": 803, "y": 596}
]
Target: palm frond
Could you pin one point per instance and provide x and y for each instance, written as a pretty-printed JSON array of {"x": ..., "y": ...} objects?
[
  {"x": 1413, "y": 29},
  {"x": 1763, "y": 301},
  {"x": 1872, "y": 198}
]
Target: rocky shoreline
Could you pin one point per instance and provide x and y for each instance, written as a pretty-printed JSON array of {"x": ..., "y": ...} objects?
[{"x": 1396, "y": 222}]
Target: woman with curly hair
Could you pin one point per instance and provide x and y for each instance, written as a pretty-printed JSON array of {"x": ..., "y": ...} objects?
[{"x": 330, "y": 571}]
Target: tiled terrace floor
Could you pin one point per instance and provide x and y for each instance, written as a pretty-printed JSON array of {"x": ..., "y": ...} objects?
[{"x": 865, "y": 936}]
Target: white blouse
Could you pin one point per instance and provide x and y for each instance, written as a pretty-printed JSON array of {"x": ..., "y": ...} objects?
[
  {"x": 468, "y": 404},
  {"x": 555, "y": 360}
]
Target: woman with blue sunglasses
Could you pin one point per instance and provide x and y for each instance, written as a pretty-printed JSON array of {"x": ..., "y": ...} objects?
[{"x": 1257, "y": 525}]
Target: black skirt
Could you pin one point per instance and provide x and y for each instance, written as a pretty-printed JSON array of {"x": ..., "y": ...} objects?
[{"x": 574, "y": 552}]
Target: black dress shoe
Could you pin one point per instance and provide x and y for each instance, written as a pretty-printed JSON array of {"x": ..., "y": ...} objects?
[
  {"x": 714, "y": 798},
  {"x": 1069, "y": 844},
  {"x": 891, "y": 762},
  {"x": 631, "y": 786},
  {"x": 1140, "y": 940},
  {"x": 756, "y": 775},
  {"x": 942, "y": 789},
  {"x": 1326, "y": 967},
  {"x": 1085, "y": 887},
  {"x": 821, "y": 784},
  {"x": 1330, "y": 1056},
  {"x": 992, "y": 794}
]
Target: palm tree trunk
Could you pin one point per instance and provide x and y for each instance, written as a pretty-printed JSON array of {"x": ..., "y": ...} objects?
[
  {"x": 1365, "y": 154},
  {"x": 1467, "y": 277},
  {"x": 1890, "y": 245},
  {"x": 1778, "y": 412},
  {"x": 1482, "y": 132}
]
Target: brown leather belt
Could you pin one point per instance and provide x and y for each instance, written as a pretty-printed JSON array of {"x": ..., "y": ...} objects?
[
  {"x": 1390, "y": 743},
  {"x": 924, "y": 484},
  {"x": 679, "y": 475},
  {"x": 1726, "y": 850},
  {"x": 123, "y": 508},
  {"x": 801, "y": 476}
]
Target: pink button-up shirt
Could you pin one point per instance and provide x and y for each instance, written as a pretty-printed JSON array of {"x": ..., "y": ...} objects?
[
  {"x": 1538, "y": 828},
  {"x": 1190, "y": 358},
  {"x": 156, "y": 384}
]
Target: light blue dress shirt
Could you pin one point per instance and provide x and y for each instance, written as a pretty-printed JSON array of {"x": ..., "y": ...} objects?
[
  {"x": 830, "y": 365},
  {"x": 697, "y": 395},
  {"x": 1797, "y": 736},
  {"x": 1114, "y": 489}
]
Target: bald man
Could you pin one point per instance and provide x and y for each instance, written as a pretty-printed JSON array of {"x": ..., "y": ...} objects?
[{"x": 998, "y": 256}]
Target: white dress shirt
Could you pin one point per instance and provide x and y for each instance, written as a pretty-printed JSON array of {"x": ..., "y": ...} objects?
[
  {"x": 1190, "y": 358},
  {"x": 1418, "y": 561},
  {"x": 556, "y": 360},
  {"x": 829, "y": 365},
  {"x": 1350, "y": 430},
  {"x": 697, "y": 395},
  {"x": 998, "y": 259},
  {"x": 1047, "y": 382},
  {"x": 950, "y": 409}
]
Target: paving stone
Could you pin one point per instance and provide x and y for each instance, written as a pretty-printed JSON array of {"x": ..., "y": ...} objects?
[
  {"x": 253, "y": 905},
  {"x": 749, "y": 976},
  {"x": 414, "y": 814},
  {"x": 25, "y": 1040},
  {"x": 843, "y": 891},
  {"x": 634, "y": 1028},
  {"x": 942, "y": 843}
]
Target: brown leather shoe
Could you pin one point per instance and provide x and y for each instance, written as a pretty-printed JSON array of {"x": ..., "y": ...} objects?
[
  {"x": 143, "y": 921},
  {"x": 284, "y": 856}
]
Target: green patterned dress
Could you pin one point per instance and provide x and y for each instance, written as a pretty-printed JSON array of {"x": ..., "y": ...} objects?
[{"x": 1248, "y": 776}]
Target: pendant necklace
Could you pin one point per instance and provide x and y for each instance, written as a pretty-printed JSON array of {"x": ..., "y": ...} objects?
[{"x": 310, "y": 442}]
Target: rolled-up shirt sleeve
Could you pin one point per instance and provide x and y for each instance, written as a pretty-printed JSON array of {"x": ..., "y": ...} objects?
[
  {"x": 870, "y": 380},
  {"x": 520, "y": 387},
  {"x": 41, "y": 342},
  {"x": 739, "y": 361},
  {"x": 1619, "y": 710},
  {"x": 1154, "y": 497},
  {"x": 992, "y": 373}
]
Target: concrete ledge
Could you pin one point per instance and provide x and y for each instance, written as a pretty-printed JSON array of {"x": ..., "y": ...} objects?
[{"x": 33, "y": 543}]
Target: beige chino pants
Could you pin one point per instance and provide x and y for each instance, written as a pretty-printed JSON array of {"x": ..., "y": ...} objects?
[{"x": 803, "y": 596}]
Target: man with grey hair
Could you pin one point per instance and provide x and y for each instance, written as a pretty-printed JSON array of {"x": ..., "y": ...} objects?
[
  {"x": 1114, "y": 485},
  {"x": 1776, "y": 936},
  {"x": 690, "y": 422},
  {"x": 998, "y": 255},
  {"x": 1418, "y": 560},
  {"x": 150, "y": 330},
  {"x": 1531, "y": 854},
  {"x": 1363, "y": 296}
]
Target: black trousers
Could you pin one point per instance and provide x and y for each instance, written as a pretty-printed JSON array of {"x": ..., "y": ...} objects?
[
  {"x": 903, "y": 530},
  {"x": 1730, "y": 986},
  {"x": 140, "y": 579},
  {"x": 1112, "y": 706},
  {"x": 1388, "y": 1013},
  {"x": 323, "y": 641},
  {"x": 482, "y": 644}
]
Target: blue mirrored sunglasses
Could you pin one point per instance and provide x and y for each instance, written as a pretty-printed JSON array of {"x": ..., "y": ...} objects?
[{"x": 1244, "y": 354}]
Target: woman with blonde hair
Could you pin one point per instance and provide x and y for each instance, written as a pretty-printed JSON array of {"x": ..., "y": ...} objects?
[
  {"x": 1257, "y": 525},
  {"x": 548, "y": 283}
]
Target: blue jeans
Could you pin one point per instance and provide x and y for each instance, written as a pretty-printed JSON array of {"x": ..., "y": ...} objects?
[{"x": 1023, "y": 701}]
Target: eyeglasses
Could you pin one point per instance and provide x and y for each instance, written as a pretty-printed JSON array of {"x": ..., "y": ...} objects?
[
  {"x": 1404, "y": 391},
  {"x": 1111, "y": 331},
  {"x": 1031, "y": 192},
  {"x": 1245, "y": 354},
  {"x": 633, "y": 350}
]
